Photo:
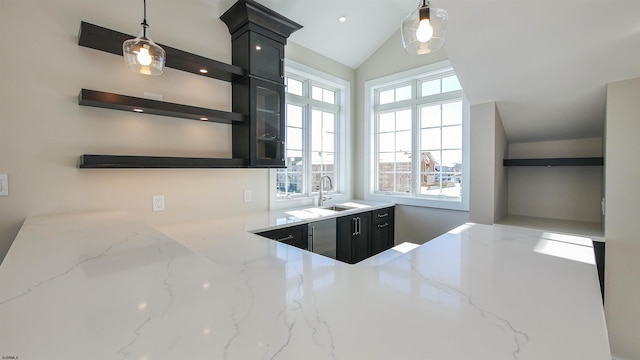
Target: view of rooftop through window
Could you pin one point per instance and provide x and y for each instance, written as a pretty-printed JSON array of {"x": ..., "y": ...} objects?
[{"x": 418, "y": 138}]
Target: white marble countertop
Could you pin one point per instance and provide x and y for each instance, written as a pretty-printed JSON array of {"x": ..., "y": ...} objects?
[{"x": 106, "y": 286}]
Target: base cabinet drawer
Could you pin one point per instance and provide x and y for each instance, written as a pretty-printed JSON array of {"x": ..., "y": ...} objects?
[
  {"x": 293, "y": 235},
  {"x": 382, "y": 230}
]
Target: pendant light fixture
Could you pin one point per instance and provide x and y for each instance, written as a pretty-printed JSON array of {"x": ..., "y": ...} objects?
[
  {"x": 423, "y": 30},
  {"x": 141, "y": 54}
]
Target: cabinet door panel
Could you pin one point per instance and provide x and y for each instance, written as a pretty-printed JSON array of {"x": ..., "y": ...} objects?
[
  {"x": 266, "y": 57},
  {"x": 361, "y": 241},
  {"x": 260, "y": 138},
  {"x": 380, "y": 237},
  {"x": 293, "y": 235},
  {"x": 269, "y": 121},
  {"x": 344, "y": 233}
]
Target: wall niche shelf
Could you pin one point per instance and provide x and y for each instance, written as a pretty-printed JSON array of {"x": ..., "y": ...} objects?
[
  {"x": 100, "y": 38},
  {"x": 108, "y": 100},
  {"x": 582, "y": 161},
  {"x": 91, "y": 161},
  {"x": 591, "y": 229}
]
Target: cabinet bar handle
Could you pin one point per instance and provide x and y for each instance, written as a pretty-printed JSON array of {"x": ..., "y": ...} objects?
[
  {"x": 383, "y": 225},
  {"x": 282, "y": 68},
  {"x": 383, "y": 215},
  {"x": 355, "y": 226},
  {"x": 285, "y": 238}
]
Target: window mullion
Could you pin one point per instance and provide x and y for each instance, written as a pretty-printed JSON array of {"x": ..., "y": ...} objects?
[
  {"x": 415, "y": 149},
  {"x": 306, "y": 144},
  {"x": 415, "y": 140},
  {"x": 376, "y": 155}
]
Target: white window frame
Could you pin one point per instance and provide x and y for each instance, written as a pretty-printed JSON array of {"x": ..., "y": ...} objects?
[
  {"x": 369, "y": 141},
  {"x": 343, "y": 151}
]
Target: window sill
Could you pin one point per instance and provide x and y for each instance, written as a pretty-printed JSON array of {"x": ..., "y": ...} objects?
[
  {"x": 413, "y": 201},
  {"x": 282, "y": 204}
]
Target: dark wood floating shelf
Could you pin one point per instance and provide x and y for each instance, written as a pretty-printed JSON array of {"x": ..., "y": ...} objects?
[
  {"x": 585, "y": 161},
  {"x": 88, "y": 161},
  {"x": 129, "y": 103},
  {"x": 100, "y": 38}
]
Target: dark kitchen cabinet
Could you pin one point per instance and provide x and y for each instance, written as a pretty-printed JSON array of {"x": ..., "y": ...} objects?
[
  {"x": 382, "y": 230},
  {"x": 258, "y": 37},
  {"x": 358, "y": 236},
  {"x": 292, "y": 235},
  {"x": 261, "y": 139},
  {"x": 260, "y": 55},
  {"x": 353, "y": 243}
]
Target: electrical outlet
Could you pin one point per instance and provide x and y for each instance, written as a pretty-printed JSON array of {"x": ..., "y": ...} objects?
[
  {"x": 158, "y": 202},
  {"x": 4, "y": 185},
  {"x": 247, "y": 196}
]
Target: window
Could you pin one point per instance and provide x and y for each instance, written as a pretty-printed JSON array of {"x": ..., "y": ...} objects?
[
  {"x": 316, "y": 130},
  {"x": 417, "y": 136}
]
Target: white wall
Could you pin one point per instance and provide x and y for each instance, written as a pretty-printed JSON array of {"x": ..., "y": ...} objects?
[
  {"x": 488, "y": 176},
  {"x": 501, "y": 175},
  {"x": 562, "y": 192},
  {"x": 420, "y": 224},
  {"x": 43, "y": 130},
  {"x": 622, "y": 226}
]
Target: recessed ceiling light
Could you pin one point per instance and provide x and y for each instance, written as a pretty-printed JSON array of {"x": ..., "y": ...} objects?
[
  {"x": 204, "y": 118},
  {"x": 204, "y": 71},
  {"x": 138, "y": 110},
  {"x": 342, "y": 18},
  {"x": 258, "y": 47}
]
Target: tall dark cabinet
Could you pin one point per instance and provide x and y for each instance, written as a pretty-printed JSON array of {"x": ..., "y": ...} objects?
[{"x": 258, "y": 37}]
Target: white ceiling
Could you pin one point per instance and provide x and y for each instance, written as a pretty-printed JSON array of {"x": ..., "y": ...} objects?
[
  {"x": 545, "y": 63},
  {"x": 369, "y": 23}
]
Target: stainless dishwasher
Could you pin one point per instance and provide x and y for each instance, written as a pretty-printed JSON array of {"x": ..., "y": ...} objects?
[{"x": 322, "y": 237}]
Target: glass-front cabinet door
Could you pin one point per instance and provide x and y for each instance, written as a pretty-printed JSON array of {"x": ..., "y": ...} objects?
[
  {"x": 260, "y": 139},
  {"x": 269, "y": 123}
]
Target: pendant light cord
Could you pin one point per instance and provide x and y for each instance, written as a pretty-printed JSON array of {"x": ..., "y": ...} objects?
[{"x": 144, "y": 19}]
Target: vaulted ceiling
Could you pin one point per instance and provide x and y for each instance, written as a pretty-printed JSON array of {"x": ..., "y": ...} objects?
[{"x": 545, "y": 63}]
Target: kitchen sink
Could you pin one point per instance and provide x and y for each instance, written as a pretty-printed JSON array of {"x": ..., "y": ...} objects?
[{"x": 338, "y": 208}]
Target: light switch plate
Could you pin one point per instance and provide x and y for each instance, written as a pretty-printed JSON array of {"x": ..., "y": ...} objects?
[
  {"x": 4, "y": 185},
  {"x": 247, "y": 196}
]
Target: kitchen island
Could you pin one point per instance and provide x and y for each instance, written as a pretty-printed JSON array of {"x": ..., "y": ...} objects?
[{"x": 105, "y": 286}]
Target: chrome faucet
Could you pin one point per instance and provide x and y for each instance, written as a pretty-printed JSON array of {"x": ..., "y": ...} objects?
[{"x": 321, "y": 199}]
